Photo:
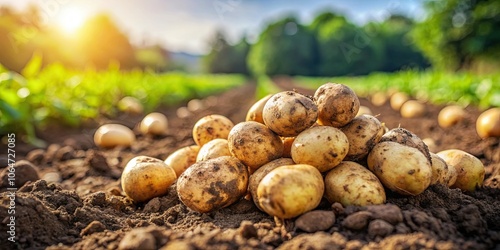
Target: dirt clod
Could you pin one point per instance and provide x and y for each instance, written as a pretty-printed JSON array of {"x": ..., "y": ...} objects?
[
  {"x": 357, "y": 220},
  {"x": 315, "y": 221}
]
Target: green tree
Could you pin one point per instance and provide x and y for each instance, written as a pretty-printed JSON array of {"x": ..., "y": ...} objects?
[
  {"x": 284, "y": 47},
  {"x": 226, "y": 58},
  {"x": 457, "y": 32}
]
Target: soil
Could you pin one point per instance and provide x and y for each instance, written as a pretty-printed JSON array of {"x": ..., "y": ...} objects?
[{"x": 73, "y": 199}]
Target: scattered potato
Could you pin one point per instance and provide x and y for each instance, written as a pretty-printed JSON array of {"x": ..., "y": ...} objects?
[
  {"x": 363, "y": 132},
  {"x": 402, "y": 169},
  {"x": 211, "y": 127},
  {"x": 154, "y": 124},
  {"x": 213, "y": 149},
  {"x": 254, "y": 144},
  {"x": 131, "y": 105},
  {"x": 364, "y": 110},
  {"x": 397, "y": 100},
  {"x": 323, "y": 147},
  {"x": 144, "y": 178},
  {"x": 413, "y": 109},
  {"x": 255, "y": 111},
  {"x": 488, "y": 123},
  {"x": 337, "y": 104},
  {"x": 194, "y": 105},
  {"x": 182, "y": 158},
  {"x": 440, "y": 173},
  {"x": 450, "y": 115},
  {"x": 213, "y": 184},
  {"x": 289, "y": 191},
  {"x": 288, "y": 113},
  {"x": 470, "y": 170},
  {"x": 406, "y": 137},
  {"x": 112, "y": 135},
  {"x": 379, "y": 98},
  {"x": 352, "y": 184},
  {"x": 260, "y": 173}
]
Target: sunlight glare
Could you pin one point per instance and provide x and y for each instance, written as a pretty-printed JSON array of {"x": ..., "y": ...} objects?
[{"x": 70, "y": 19}]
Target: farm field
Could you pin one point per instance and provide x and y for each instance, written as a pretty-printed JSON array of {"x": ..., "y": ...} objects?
[{"x": 80, "y": 204}]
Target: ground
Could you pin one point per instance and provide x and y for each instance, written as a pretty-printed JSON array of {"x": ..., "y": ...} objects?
[{"x": 78, "y": 203}]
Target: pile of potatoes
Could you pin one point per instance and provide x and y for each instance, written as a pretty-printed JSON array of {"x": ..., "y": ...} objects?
[{"x": 294, "y": 150}]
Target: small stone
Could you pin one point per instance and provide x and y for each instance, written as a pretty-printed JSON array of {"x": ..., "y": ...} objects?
[
  {"x": 379, "y": 227},
  {"x": 315, "y": 221},
  {"x": 97, "y": 199},
  {"x": 138, "y": 239},
  {"x": 357, "y": 220},
  {"x": 247, "y": 230},
  {"x": 153, "y": 206},
  {"x": 98, "y": 162},
  {"x": 52, "y": 177},
  {"x": 93, "y": 227},
  {"x": 338, "y": 208},
  {"x": 35, "y": 156},
  {"x": 388, "y": 212},
  {"x": 51, "y": 152},
  {"x": 23, "y": 171},
  {"x": 65, "y": 153}
]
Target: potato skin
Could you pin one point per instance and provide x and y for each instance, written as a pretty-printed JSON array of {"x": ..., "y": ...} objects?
[
  {"x": 440, "y": 172},
  {"x": 211, "y": 127},
  {"x": 450, "y": 115},
  {"x": 213, "y": 184},
  {"x": 413, "y": 109},
  {"x": 213, "y": 149},
  {"x": 154, "y": 124},
  {"x": 289, "y": 191},
  {"x": 400, "y": 168},
  {"x": 352, "y": 184},
  {"x": 254, "y": 144},
  {"x": 255, "y": 111},
  {"x": 406, "y": 137},
  {"x": 144, "y": 178},
  {"x": 363, "y": 133},
  {"x": 488, "y": 123},
  {"x": 260, "y": 173},
  {"x": 470, "y": 170},
  {"x": 337, "y": 104},
  {"x": 112, "y": 135},
  {"x": 182, "y": 158},
  {"x": 288, "y": 113},
  {"x": 323, "y": 147}
]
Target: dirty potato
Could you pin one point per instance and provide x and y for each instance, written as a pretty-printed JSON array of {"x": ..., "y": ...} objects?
[
  {"x": 323, "y": 147},
  {"x": 406, "y": 137},
  {"x": 182, "y": 158},
  {"x": 213, "y": 184},
  {"x": 470, "y": 170},
  {"x": 211, "y": 127},
  {"x": 260, "y": 173},
  {"x": 255, "y": 111},
  {"x": 403, "y": 169},
  {"x": 213, "y": 149},
  {"x": 352, "y": 184},
  {"x": 289, "y": 191},
  {"x": 363, "y": 132},
  {"x": 288, "y": 113},
  {"x": 144, "y": 178},
  {"x": 440, "y": 173},
  {"x": 254, "y": 144},
  {"x": 337, "y": 104}
]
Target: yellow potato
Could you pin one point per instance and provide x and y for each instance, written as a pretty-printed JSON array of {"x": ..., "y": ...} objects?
[
  {"x": 288, "y": 113},
  {"x": 154, "y": 124},
  {"x": 470, "y": 170},
  {"x": 131, "y": 105},
  {"x": 402, "y": 169},
  {"x": 363, "y": 132},
  {"x": 488, "y": 123},
  {"x": 182, "y": 158},
  {"x": 379, "y": 98},
  {"x": 289, "y": 191},
  {"x": 213, "y": 184},
  {"x": 323, "y": 147},
  {"x": 213, "y": 149},
  {"x": 254, "y": 144},
  {"x": 144, "y": 178},
  {"x": 337, "y": 104},
  {"x": 397, "y": 100},
  {"x": 211, "y": 127},
  {"x": 112, "y": 135},
  {"x": 413, "y": 109},
  {"x": 352, "y": 184},
  {"x": 450, "y": 115},
  {"x": 440, "y": 173},
  {"x": 287, "y": 146},
  {"x": 364, "y": 110},
  {"x": 406, "y": 137},
  {"x": 255, "y": 111}
]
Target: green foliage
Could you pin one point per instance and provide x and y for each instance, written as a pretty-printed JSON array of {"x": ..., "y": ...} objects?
[{"x": 225, "y": 58}]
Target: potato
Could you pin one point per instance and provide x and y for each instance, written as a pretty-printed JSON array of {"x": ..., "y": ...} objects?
[
  {"x": 440, "y": 173},
  {"x": 112, "y": 135},
  {"x": 406, "y": 137},
  {"x": 413, "y": 109},
  {"x": 288, "y": 113},
  {"x": 431, "y": 144},
  {"x": 323, "y": 147},
  {"x": 363, "y": 132},
  {"x": 260, "y": 173},
  {"x": 470, "y": 170},
  {"x": 488, "y": 123},
  {"x": 154, "y": 124},
  {"x": 255, "y": 111},
  {"x": 450, "y": 115},
  {"x": 397, "y": 100},
  {"x": 211, "y": 127},
  {"x": 144, "y": 178},
  {"x": 213, "y": 149},
  {"x": 182, "y": 158},
  {"x": 379, "y": 98},
  {"x": 452, "y": 175},
  {"x": 289, "y": 191},
  {"x": 352, "y": 184},
  {"x": 364, "y": 110},
  {"x": 213, "y": 184},
  {"x": 131, "y": 105},
  {"x": 194, "y": 105},
  {"x": 254, "y": 144},
  {"x": 337, "y": 104},
  {"x": 402, "y": 169},
  {"x": 287, "y": 146}
]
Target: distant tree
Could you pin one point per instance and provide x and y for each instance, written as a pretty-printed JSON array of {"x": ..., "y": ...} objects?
[
  {"x": 226, "y": 58},
  {"x": 457, "y": 32},
  {"x": 153, "y": 57},
  {"x": 284, "y": 47}
]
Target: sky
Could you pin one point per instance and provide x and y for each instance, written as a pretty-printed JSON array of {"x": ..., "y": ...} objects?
[{"x": 188, "y": 25}]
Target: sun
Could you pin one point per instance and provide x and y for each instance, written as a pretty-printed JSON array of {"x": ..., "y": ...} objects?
[{"x": 70, "y": 19}]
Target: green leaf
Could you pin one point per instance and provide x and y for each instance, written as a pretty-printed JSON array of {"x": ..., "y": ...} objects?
[
  {"x": 9, "y": 110},
  {"x": 34, "y": 66}
]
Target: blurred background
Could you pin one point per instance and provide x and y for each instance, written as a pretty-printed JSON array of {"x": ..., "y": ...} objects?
[{"x": 310, "y": 38}]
